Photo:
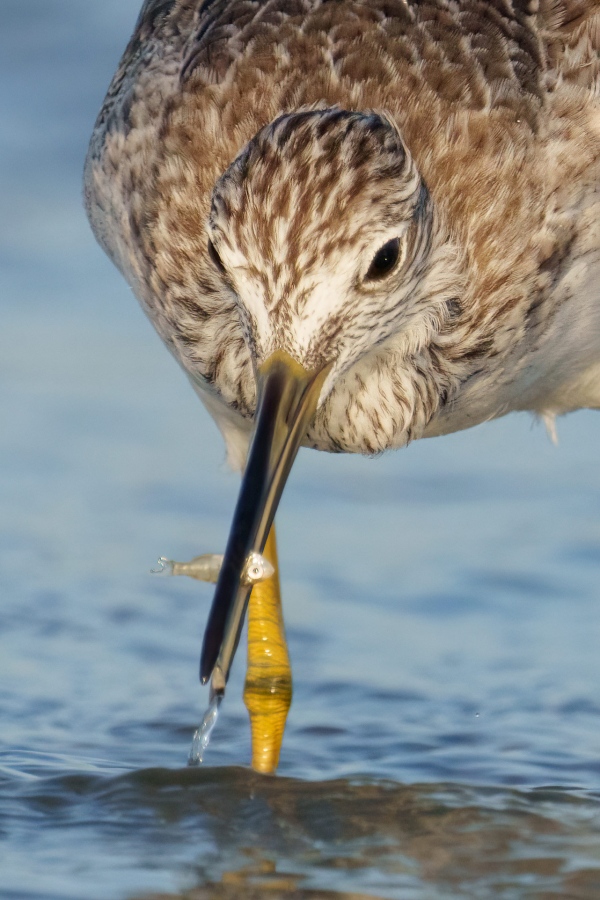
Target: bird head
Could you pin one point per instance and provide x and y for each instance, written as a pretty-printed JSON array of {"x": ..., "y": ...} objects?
[{"x": 321, "y": 229}]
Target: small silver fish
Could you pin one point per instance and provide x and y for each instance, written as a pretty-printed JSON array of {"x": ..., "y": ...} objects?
[{"x": 207, "y": 568}]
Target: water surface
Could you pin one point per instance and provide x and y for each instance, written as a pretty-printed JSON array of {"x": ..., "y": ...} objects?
[{"x": 441, "y": 603}]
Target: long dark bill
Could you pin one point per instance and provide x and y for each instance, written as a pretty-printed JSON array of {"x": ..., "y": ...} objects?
[{"x": 287, "y": 399}]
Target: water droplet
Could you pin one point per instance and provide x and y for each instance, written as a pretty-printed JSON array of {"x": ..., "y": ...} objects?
[{"x": 202, "y": 735}]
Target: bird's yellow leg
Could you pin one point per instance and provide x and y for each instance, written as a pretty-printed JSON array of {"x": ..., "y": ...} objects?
[{"x": 268, "y": 688}]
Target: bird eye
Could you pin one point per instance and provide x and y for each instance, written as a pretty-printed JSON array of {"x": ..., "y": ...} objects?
[
  {"x": 212, "y": 252},
  {"x": 384, "y": 260}
]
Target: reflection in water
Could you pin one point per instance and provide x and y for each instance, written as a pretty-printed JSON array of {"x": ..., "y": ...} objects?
[
  {"x": 229, "y": 833},
  {"x": 257, "y": 883}
]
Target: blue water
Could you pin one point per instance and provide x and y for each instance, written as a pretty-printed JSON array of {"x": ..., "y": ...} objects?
[{"x": 442, "y": 603}]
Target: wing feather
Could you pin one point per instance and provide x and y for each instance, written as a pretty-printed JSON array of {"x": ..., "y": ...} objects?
[{"x": 571, "y": 32}]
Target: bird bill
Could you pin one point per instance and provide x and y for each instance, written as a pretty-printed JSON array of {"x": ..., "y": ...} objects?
[{"x": 287, "y": 395}]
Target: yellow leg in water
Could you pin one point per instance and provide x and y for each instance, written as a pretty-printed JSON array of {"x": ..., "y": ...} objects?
[{"x": 268, "y": 688}]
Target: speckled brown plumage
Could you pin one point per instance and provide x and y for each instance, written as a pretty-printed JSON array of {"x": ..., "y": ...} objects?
[{"x": 480, "y": 130}]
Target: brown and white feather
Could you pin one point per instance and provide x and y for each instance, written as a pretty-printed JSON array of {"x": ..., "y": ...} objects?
[{"x": 485, "y": 114}]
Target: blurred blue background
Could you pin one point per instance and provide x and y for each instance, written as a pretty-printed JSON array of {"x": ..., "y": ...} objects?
[{"x": 441, "y": 602}]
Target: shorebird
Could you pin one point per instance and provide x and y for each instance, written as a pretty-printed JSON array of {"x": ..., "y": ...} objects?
[{"x": 354, "y": 223}]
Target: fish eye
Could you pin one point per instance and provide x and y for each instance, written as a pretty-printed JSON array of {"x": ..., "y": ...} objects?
[
  {"x": 384, "y": 261},
  {"x": 212, "y": 252}
]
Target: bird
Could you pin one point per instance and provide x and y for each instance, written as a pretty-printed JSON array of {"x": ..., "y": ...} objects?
[{"x": 354, "y": 224}]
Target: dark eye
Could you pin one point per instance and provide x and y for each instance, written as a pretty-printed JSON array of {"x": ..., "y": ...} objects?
[
  {"x": 216, "y": 258},
  {"x": 384, "y": 260}
]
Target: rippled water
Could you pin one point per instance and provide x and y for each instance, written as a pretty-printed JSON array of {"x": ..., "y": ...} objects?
[{"x": 441, "y": 603}]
